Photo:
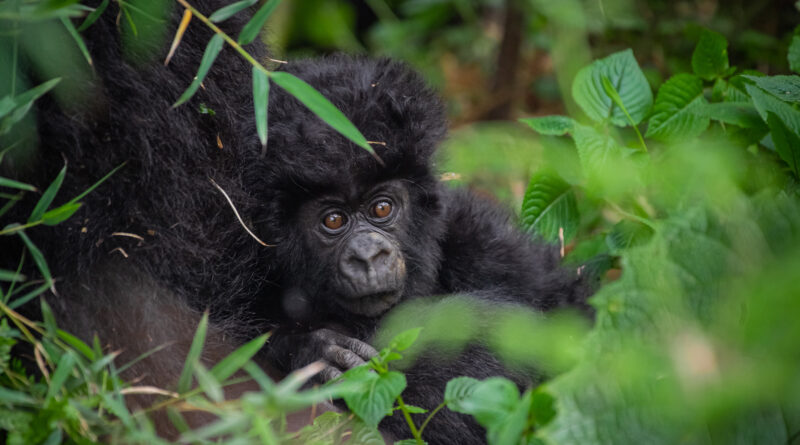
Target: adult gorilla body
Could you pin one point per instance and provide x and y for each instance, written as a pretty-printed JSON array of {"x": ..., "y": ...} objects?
[{"x": 394, "y": 234}]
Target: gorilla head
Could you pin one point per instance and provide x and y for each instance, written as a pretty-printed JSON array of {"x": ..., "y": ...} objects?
[{"x": 361, "y": 235}]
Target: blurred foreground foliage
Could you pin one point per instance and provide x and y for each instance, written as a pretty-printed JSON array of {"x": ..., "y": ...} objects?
[{"x": 683, "y": 205}]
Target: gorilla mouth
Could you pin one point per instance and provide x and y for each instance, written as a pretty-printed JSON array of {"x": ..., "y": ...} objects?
[{"x": 372, "y": 304}]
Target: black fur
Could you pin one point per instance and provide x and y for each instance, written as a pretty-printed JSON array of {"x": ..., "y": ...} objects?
[{"x": 195, "y": 255}]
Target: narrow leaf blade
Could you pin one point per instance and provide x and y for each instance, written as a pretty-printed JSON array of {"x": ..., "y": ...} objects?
[
  {"x": 48, "y": 196},
  {"x": 253, "y": 27},
  {"x": 261, "y": 103},
  {"x": 226, "y": 12},
  {"x": 212, "y": 51}
]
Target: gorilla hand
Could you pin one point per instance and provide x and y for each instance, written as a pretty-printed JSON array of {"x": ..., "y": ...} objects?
[{"x": 338, "y": 351}]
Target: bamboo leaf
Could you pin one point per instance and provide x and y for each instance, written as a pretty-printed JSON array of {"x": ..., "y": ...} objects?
[
  {"x": 226, "y": 12},
  {"x": 261, "y": 103},
  {"x": 77, "y": 38},
  {"x": 320, "y": 106},
  {"x": 212, "y": 51},
  {"x": 48, "y": 196},
  {"x": 60, "y": 214},
  {"x": 193, "y": 357},
  {"x": 253, "y": 27},
  {"x": 91, "y": 18}
]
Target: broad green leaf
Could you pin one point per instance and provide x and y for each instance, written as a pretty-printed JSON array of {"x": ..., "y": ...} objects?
[
  {"x": 238, "y": 358},
  {"x": 673, "y": 115},
  {"x": 550, "y": 125},
  {"x": 624, "y": 74},
  {"x": 377, "y": 396},
  {"x": 60, "y": 214},
  {"x": 93, "y": 16},
  {"x": 405, "y": 339},
  {"x": 742, "y": 114},
  {"x": 226, "y": 12},
  {"x": 212, "y": 51},
  {"x": 794, "y": 54},
  {"x": 5, "y": 182},
  {"x": 787, "y": 142},
  {"x": 77, "y": 38},
  {"x": 62, "y": 372},
  {"x": 626, "y": 234},
  {"x": 510, "y": 428},
  {"x": 458, "y": 390},
  {"x": 193, "y": 357},
  {"x": 10, "y": 275},
  {"x": 549, "y": 205},
  {"x": 542, "y": 407},
  {"x": 489, "y": 401},
  {"x": 38, "y": 257},
  {"x": 595, "y": 149},
  {"x": 765, "y": 103},
  {"x": 260, "y": 103},
  {"x": 320, "y": 106},
  {"x": 253, "y": 27},
  {"x": 48, "y": 196},
  {"x": 785, "y": 88},
  {"x": 710, "y": 56}
]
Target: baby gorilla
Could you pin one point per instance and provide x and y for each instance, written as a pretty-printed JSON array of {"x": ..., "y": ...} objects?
[{"x": 355, "y": 236}]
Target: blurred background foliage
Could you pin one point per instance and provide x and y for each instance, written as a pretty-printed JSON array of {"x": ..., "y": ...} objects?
[{"x": 497, "y": 60}]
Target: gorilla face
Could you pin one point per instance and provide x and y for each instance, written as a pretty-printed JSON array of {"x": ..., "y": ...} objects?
[{"x": 357, "y": 237}]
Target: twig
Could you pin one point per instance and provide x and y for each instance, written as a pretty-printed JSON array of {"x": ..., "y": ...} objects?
[{"x": 236, "y": 212}]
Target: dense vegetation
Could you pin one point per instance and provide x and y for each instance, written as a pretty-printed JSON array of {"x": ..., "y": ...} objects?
[{"x": 683, "y": 204}]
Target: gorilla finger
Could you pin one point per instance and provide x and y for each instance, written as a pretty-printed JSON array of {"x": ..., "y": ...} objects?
[
  {"x": 330, "y": 373},
  {"x": 364, "y": 350},
  {"x": 344, "y": 358}
]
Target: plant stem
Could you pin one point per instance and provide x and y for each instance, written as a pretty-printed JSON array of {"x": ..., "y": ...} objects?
[
  {"x": 16, "y": 229},
  {"x": 417, "y": 435},
  {"x": 430, "y": 416}
]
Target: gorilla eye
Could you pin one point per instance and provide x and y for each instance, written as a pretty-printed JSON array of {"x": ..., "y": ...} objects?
[
  {"x": 382, "y": 209},
  {"x": 334, "y": 221}
]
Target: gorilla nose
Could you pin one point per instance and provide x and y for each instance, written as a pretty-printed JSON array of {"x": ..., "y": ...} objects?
[{"x": 369, "y": 262}]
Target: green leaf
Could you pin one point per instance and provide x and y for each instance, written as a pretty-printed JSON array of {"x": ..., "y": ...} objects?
[
  {"x": 785, "y": 88},
  {"x": 208, "y": 383},
  {"x": 405, "y": 339},
  {"x": 193, "y": 357},
  {"x": 11, "y": 397},
  {"x": 238, "y": 358},
  {"x": 77, "y": 38},
  {"x": 60, "y": 214},
  {"x": 550, "y": 125},
  {"x": 26, "y": 98},
  {"x": 48, "y": 196},
  {"x": 226, "y": 12},
  {"x": 260, "y": 103},
  {"x": 489, "y": 401},
  {"x": 76, "y": 343},
  {"x": 38, "y": 257},
  {"x": 377, "y": 396},
  {"x": 5, "y": 182},
  {"x": 549, "y": 205},
  {"x": 458, "y": 390},
  {"x": 415, "y": 409},
  {"x": 253, "y": 27},
  {"x": 765, "y": 103},
  {"x": 509, "y": 430},
  {"x": 10, "y": 275},
  {"x": 742, "y": 114},
  {"x": 787, "y": 142},
  {"x": 63, "y": 370},
  {"x": 210, "y": 54},
  {"x": 320, "y": 106},
  {"x": 595, "y": 150},
  {"x": 794, "y": 54},
  {"x": 91, "y": 18},
  {"x": 542, "y": 407},
  {"x": 29, "y": 296},
  {"x": 710, "y": 57},
  {"x": 96, "y": 184},
  {"x": 673, "y": 115},
  {"x": 626, "y": 234},
  {"x": 624, "y": 74}
]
